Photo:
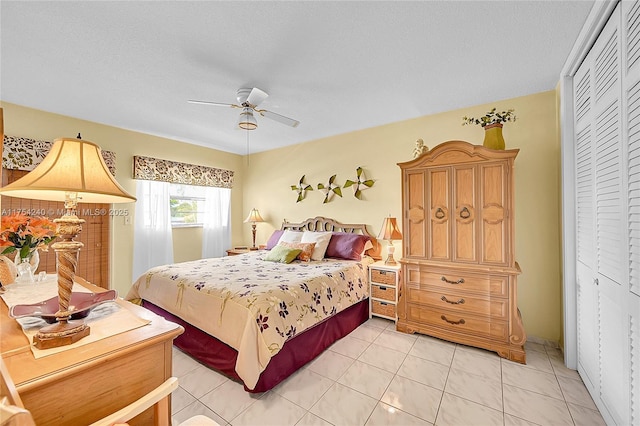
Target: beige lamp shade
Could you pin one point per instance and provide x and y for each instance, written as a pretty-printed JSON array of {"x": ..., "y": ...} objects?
[
  {"x": 389, "y": 230},
  {"x": 72, "y": 165},
  {"x": 254, "y": 217}
]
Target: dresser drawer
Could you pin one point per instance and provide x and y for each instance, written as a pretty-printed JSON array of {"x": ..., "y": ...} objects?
[
  {"x": 460, "y": 302},
  {"x": 452, "y": 280},
  {"x": 383, "y": 308},
  {"x": 383, "y": 277},
  {"x": 459, "y": 322},
  {"x": 383, "y": 292}
]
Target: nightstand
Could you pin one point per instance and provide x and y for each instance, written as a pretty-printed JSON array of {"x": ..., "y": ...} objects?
[
  {"x": 236, "y": 251},
  {"x": 383, "y": 290}
]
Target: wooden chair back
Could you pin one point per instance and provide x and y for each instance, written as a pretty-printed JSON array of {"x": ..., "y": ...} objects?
[{"x": 12, "y": 412}]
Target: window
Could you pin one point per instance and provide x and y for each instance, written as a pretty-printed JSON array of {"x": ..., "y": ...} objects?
[{"x": 187, "y": 204}]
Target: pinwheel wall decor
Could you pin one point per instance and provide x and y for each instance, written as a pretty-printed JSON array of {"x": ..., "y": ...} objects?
[
  {"x": 302, "y": 189},
  {"x": 329, "y": 189},
  {"x": 360, "y": 184}
]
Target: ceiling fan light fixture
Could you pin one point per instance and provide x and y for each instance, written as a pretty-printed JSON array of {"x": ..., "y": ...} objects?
[{"x": 246, "y": 120}]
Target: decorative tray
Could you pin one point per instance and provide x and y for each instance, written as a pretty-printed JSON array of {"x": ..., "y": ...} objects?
[{"x": 80, "y": 306}]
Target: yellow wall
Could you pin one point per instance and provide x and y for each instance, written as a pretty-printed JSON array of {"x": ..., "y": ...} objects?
[
  {"x": 264, "y": 182},
  {"x": 269, "y": 176},
  {"x": 31, "y": 123}
]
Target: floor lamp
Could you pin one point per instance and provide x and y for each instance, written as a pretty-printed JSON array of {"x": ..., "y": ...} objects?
[{"x": 73, "y": 171}]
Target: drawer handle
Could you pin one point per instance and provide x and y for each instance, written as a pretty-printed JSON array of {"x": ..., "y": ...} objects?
[
  {"x": 459, "y": 302},
  {"x": 460, "y": 281},
  {"x": 465, "y": 213},
  {"x": 439, "y": 213},
  {"x": 442, "y": 317},
  {"x": 382, "y": 288}
]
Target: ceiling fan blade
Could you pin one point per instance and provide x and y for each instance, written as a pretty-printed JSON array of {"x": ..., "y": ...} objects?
[
  {"x": 214, "y": 103},
  {"x": 279, "y": 118},
  {"x": 257, "y": 96}
]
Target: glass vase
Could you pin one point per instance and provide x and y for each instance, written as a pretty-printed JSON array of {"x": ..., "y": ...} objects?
[{"x": 32, "y": 260}]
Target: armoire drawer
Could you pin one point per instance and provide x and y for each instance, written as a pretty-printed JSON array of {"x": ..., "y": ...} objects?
[
  {"x": 460, "y": 302},
  {"x": 453, "y": 280},
  {"x": 459, "y": 322}
]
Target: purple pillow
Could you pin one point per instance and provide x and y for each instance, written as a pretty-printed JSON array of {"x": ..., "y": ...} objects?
[
  {"x": 344, "y": 245},
  {"x": 274, "y": 238}
]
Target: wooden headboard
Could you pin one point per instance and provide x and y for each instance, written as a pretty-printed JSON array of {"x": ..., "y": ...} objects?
[{"x": 324, "y": 224}]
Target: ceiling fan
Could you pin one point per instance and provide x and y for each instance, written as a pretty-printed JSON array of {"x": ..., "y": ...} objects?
[{"x": 248, "y": 101}]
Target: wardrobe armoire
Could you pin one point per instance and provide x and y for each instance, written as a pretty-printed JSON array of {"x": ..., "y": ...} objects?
[{"x": 459, "y": 273}]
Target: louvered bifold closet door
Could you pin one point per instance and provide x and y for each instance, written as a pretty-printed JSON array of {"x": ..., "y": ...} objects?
[
  {"x": 610, "y": 223},
  {"x": 587, "y": 320},
  {"x": 631, "y": 99}
]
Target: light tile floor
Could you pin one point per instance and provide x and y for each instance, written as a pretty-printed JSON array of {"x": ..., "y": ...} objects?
[{"x": 377, "y": 376}]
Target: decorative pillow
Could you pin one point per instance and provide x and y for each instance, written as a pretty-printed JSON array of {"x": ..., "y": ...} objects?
[
  {"x": 274, "y": 238},
  {"x": 322, "y": 241},
  {"x": 289, "y": 236},
  {"x": 282, "y": 254},
  {"x": 307, "y": 249},
  {"x": 344, "y": 245}
]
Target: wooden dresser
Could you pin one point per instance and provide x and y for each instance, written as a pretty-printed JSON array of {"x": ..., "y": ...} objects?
[
  {"x": 84, "y": 384},
  {"x": 459, "y": 274}
]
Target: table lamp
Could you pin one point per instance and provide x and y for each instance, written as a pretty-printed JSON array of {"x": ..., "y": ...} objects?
[
  {"x": 254, "y": 217},
  {"x": 73, "y": 171},
  {"x": 390, "y": 232}
]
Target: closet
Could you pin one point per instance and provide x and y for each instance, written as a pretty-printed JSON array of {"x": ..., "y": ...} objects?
[
  {"x": 606, "y": 96},
  {"x": 459, "y": 273}
]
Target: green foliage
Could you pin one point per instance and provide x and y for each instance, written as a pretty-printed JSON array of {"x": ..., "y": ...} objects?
[
  {"x": 491, "y": 117},
  {"x": 185, "y": 211}
]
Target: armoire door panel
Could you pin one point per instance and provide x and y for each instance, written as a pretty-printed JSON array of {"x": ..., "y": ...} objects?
[
  {"x": 416, "y": 218},
  {"x": 438, "y": 184},
  {"x": 464, "y": 220},
  {"x": 494, "y": 213}
]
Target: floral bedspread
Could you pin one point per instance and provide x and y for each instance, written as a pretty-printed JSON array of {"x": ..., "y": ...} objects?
[{"x": 251, "y": 304}]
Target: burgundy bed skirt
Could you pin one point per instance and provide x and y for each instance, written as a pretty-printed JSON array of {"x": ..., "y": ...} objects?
[{"x": 294, "y": 354}]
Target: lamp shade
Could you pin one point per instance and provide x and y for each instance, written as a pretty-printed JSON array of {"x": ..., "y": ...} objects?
[
  {"x": 254, "y": 217},
  {"x": 389, "y": 230},
  {"x": 72, "y": 166},
  {"x": 247, "y": 121}
]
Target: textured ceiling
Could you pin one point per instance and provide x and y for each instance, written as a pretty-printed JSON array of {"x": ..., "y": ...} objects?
[{"x": 334, "y": 66}]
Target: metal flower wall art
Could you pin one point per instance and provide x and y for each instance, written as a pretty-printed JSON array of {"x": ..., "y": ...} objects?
[
  {"x": 301, "y": 188},
  {"x": 329, "y": 189},
  {"x": 360, "y": 184}
]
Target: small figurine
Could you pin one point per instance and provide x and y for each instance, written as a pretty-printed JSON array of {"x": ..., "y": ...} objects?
[{"x": 420, "y": 148}]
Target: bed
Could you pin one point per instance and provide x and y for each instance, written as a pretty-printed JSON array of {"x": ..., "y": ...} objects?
[{"x": 258, "y": 321}]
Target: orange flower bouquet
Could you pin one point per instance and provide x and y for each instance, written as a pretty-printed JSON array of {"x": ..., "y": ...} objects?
[{"x": 25, "y": 234}]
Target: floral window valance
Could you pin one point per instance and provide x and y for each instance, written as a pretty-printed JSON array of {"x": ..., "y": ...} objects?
[
  {"x": 25, "y": 154},
  {"x": 147, "y": 168}
]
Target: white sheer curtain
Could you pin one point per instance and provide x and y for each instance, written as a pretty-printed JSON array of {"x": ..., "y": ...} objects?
[
  {"x": 216, "y": 222},
  {"x": 152, "y": 242}
]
